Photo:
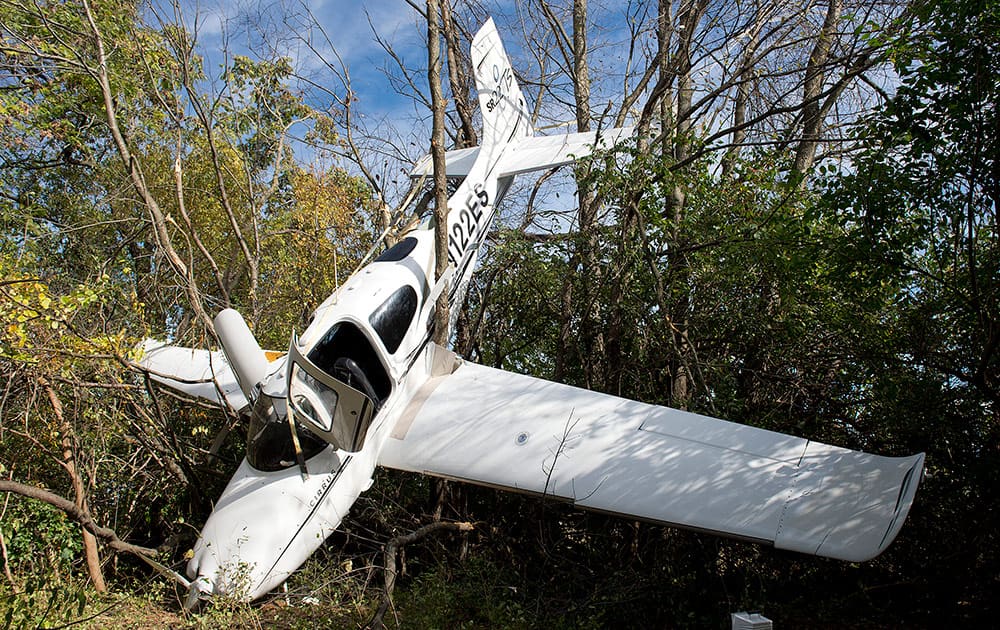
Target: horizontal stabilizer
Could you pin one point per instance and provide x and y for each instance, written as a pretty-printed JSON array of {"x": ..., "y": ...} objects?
[
  {"x": 530, "y": 154},
  {"x": 609, "y": 454},
  {"x": 197, "y": 373}
]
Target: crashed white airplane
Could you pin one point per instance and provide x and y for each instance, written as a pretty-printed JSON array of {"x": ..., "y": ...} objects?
[{"x": 364, "y": 386}]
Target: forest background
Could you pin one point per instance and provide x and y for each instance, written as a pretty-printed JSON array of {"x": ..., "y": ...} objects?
[{"x": 803, "y": 237}]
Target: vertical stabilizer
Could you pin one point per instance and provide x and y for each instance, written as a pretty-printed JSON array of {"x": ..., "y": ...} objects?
[
  {"x": 506, "y": 123},
  {"x": 505, "y": 111}
]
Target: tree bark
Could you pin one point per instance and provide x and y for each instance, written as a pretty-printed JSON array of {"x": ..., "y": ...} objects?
[
  {"x": 68, "y": 441},
  {"x": 441, "y": 313},
  {"x": 812, "y": 117},
  {"x": 743, "y": 78},
  {"x": 458, "y": 79},
  {"x": 593, "y": 330}
]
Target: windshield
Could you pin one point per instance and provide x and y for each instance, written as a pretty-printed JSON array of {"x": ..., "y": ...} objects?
[
  {"x": 338, "y": 407},
  {"x": 269, "y": 442}
]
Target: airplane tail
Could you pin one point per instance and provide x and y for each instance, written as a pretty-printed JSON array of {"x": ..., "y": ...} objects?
[
  {"x": 508, "y": 147},
  {"x": 505, "y": 124},
  {"x": 505, "y": 111}
]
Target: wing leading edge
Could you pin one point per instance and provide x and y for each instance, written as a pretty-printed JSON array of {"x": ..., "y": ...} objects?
[{"x": 609, "y": 454}]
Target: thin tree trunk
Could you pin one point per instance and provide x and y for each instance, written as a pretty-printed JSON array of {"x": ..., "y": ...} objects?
[
  {"x": 458, "y": 79},
  {"x": 664, "y": 34},
  {"x": 688, "y": 18},
  {"x": 3, "y": 550},
  {"x": 90, "y": 550},
  {"x": 740, "y": 105},
  {"x": 132, "y": 167},
  {"x": 441, "y": 313},
  {"x": 812, "y": 118},
  {"x": 592, "y": 330}
]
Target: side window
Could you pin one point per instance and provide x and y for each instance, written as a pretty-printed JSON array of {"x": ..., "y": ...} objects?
[
  {"x": 392, "y": 319},
  {"x": 399, "y": 251}
]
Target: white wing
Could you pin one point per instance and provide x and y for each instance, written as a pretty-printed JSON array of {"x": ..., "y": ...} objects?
[
  {"x": 198, "y": 373},
  {"x": 604, "y": 453}
]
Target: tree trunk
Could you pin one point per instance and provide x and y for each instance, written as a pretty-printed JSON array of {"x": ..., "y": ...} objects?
[
  {"x": 458, "y": 79},
  {"x": 743, "y": 78},
  {"x": 90, "y": 550},
  {"x": 592, "y": 330},
  {"x": 590, "y": 348},
  {"x": 812, "y": 118},
  {"x": 441, "y": 313},
  {"x": 439, "y": 487}
]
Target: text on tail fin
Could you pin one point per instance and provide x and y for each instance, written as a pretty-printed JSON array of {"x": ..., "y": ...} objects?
[{"x": 505, "y": 111}]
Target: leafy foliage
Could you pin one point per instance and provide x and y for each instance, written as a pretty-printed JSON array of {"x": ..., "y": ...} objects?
[
  {"x": 47, "y": 602},
  {"x": 918, "y": 249},
  {"x": 920, "y": 210},
  {"x": 87, "y": 272}
]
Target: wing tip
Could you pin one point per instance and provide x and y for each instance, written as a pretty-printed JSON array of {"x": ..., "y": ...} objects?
[
  {"x": 865, "y": 550},
  {"x": 907, "y": 493}
]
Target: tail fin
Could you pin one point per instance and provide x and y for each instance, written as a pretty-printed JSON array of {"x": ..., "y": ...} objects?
[{"x": 505, "y": 112}]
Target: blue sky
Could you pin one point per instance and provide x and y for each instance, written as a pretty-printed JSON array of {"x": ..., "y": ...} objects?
[
  {"x": 262, "y": 30},
  {"x": 351, "y": 28},
  {"x": 395, "y": 123},
  {"x": 237, "y": 26}
]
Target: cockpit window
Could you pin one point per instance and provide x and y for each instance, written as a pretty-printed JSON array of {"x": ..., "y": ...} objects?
[
  {"x": 269, "y": 444},
  {"x": 391, "y": 320},
  {"x": 399, "y": 251}
]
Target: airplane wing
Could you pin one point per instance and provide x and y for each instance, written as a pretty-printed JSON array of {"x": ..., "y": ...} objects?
[
  {"x": 197, "y": 373},
  {"x": 531, "y": 153},
  {"x": 603, "y": 453}
]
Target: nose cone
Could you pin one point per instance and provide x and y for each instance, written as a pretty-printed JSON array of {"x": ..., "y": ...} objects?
[{"x": 266, "y": 524}]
